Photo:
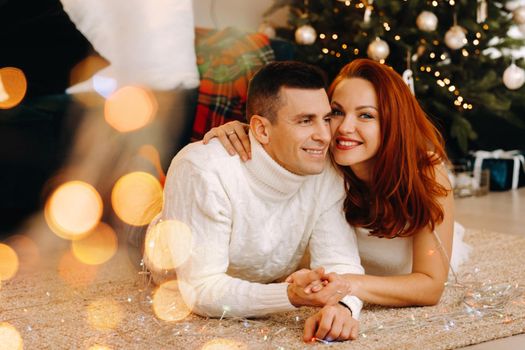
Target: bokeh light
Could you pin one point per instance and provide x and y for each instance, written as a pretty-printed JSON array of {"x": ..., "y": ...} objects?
[
  {"x": 130, "y": 108},
  {"x": 13, "y": 87},
  {"x": 137, "y": 198},
  {"x": 224, "y": 344},
  {"x": 97, "y": 247},
  {"x": 167, "y": 245},
  {"x": 99, "y": 347},
  {"x": 26, "y": 249},
  {"x": 104, "y": 314},
  {"x": 8, "y": 262},
  {"x": 10, "y": 339},
  {"x": 168, "y": 303},
  {"x": 75, "y": 273},
  {"x": 73, "y": 209}
]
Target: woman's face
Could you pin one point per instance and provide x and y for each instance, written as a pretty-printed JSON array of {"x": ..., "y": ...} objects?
[{"x": 355, "y": 125}]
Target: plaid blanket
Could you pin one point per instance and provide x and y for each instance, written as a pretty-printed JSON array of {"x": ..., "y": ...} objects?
[{"x": 227, "y": 60}]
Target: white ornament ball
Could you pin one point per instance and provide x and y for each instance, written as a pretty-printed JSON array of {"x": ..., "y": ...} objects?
[
  {"x": 519, "y": 15},
  {"x": 455, "y": 37},
  {"x": 427, "y": 21},
  {"x": 305, "y": 35},
  {"x": 513, "y": 77},
  {"x": 266, "y": 29},
  {"x": 378, "y": 50}
]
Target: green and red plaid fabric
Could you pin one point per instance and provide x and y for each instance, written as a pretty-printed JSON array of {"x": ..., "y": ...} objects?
[{"x": 227, "y": 60}]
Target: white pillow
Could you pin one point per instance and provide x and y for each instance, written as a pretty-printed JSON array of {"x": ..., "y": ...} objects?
[{"x": 147, "y": 42}]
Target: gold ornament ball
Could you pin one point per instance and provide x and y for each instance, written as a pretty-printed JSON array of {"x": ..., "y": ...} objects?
[
  {"x": 513, "y": 77},
  {"x": 378, "y": 50},
  {"x": 519, "y": 15},
  {"x": 455, "y": 37},
  {"x": 427, "y": 21},
  {"x": 305, "y": 35}
]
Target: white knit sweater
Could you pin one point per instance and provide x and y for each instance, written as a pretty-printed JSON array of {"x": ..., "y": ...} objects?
[{"x": 251, "y": 224}]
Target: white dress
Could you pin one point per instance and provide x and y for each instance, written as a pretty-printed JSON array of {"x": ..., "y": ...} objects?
[{"x": 383, "y": 257}]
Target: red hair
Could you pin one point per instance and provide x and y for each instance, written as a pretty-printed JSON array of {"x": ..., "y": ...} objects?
[{"x": 402, "y": 196}]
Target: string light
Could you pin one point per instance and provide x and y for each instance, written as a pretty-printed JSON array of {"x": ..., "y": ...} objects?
[
  {"x": 478, "y": 35},
  {"x": 344, "y": 46},
  {"x": 334, "y": 36},
  {"x": 325, "y": 50},
  {"x": 437, "y": 74},
  {"x": 440, "y": 83},
  {"x": 451, "y": 88},
  {"x": 397, "y": 37},
  {"x": 434, "y": 3},
  {"x": 322, "y": 36},
  {"x": 475, "y": 42},
  {"x": 443, "y": 56},
  {"x": 446, "y": 80},
  {"x": 432, "y": 55}
]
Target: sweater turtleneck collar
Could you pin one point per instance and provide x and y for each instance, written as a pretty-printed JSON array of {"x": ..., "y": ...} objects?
[{"x": 270, "y": 178}]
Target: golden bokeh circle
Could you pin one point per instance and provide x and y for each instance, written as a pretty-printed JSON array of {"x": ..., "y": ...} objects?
[
  {"x": 10, "y": 339},
  {"x": 224, "y": 344},
  {"x": 168, "y": 244},
  {"x": 168, "y": 302},
  {"x": 104, "y": 314},
  {"x": 8, "y": 262},
  {"x": 130, "y": 108},
  {"x": 99, "y": 347},
  {"x": 13, "y": 87},
  {"x": 73, "y": 210},
  {"x": 137, "y": 198},
  {"x": 97, "y": 247}
]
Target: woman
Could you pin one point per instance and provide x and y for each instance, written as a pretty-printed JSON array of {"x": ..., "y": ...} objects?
[{"x": 398, "y": 195}]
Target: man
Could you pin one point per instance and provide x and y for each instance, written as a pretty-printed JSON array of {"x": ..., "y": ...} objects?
[{"x": 252, "y": 222}]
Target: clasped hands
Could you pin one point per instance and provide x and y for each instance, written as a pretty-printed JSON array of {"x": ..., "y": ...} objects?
[{"x": 317, "y": 288}]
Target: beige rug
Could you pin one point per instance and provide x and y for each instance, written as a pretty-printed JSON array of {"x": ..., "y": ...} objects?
[{"x": 55, "y": 303}]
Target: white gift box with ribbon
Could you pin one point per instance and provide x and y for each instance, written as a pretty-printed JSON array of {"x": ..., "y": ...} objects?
[{"x": 515, "y": 155}]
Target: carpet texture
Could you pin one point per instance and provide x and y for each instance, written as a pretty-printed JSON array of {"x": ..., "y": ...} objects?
[{"x": 57, "y": 303}]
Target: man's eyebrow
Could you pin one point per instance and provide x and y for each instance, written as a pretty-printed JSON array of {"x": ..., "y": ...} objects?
[{"x": 303, "y": 115}]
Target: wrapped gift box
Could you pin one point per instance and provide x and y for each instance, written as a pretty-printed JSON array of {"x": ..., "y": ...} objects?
[{"x": 507, "y": 168}]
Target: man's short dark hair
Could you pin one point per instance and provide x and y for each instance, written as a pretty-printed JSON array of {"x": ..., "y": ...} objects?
[{"x": 264, "y": 90}]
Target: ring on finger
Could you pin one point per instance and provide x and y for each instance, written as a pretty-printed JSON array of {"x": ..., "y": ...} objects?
[{"x": 229, "y": 133}]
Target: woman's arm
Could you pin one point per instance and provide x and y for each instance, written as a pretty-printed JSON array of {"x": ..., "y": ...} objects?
[
  {"x": 425, "y": 284},
  {"x": 233, "y": 136}
]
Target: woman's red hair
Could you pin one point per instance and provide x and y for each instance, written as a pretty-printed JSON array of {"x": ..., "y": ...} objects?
[{"x": 402, "y": 195}]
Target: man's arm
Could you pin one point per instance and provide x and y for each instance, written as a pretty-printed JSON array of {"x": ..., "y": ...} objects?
[{"x": 197, "y": 198}]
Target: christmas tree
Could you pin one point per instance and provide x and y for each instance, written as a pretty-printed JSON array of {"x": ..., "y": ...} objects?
[{"x": 456, "y": 53}]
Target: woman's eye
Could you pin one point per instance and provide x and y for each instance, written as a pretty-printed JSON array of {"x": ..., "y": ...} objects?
[
  {"x": 336, "y": 112},
  {"x": 367, "y": 116}
]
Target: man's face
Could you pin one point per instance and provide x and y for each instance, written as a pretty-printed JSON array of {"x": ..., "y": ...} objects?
[{"x": 300, "y": 136}]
